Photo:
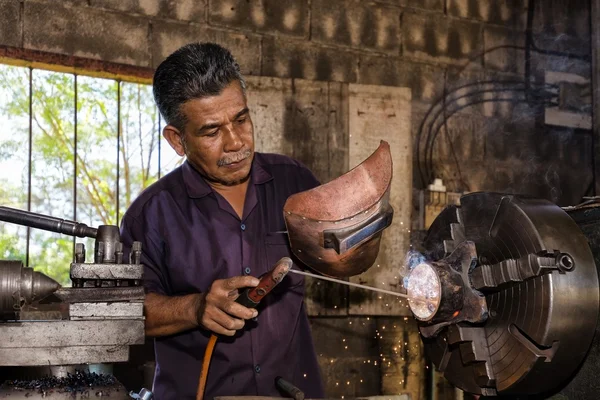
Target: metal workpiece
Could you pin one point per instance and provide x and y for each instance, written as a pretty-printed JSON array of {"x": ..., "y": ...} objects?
[
  {"x": 100, "y": 294},
  {"x": 20, "y": 286},
  {"x": 68, "y": 342},
  {"x": 116, "y": 310},
  {"x": 537, "y": 272},
  {"x": 68, "y": 355},
  {"x": 144, "y": 394},
  {"x": 109, "y": 272},
  {"x": 439, "y": 292},
  {"x": 107, "y": 245},
  {"x": 72, "y": 333},
  {"x": 45, "y": 222}
]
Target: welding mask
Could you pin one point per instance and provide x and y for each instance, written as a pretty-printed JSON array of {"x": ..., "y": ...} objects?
[{"x": 336, "y": 228}]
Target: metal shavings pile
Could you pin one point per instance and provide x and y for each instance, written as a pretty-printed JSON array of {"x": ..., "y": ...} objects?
[{"x": 77, "y": 382}]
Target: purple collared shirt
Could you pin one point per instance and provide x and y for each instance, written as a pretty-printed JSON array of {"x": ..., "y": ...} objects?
[{"x": 190, "y": 237}]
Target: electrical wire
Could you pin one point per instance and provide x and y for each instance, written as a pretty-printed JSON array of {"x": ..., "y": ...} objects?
[
  {"x": 429, "y": 153},
  {"x": 436, "y": 103},
  {"x": 428, "y": 139},
  {"x": 428, "y": 144},
  {"x": 436, "y": 132},
  {"x": 530, "y": 47},
  {"x": 440, "y": 100}
]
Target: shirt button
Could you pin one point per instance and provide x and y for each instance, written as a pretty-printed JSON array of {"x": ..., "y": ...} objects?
[
  {"x": 243, "y": 227},
  {"x": 247, "y": 271},
  {"x": 255, "y": 319},
  {"x": 257, "y": 369}
]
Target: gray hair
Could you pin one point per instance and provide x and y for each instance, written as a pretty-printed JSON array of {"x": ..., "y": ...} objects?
[{"x": 194, "y": 71}]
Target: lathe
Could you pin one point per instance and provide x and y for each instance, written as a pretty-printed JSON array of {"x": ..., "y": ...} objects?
[
  {"x": 64, "y": 330},
  {"x": 507, "y": 297}
]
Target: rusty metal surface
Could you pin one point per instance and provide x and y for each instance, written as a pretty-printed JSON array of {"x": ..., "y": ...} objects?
[
  {"x": 459, "y": 302},
  {"x": 79, "y": 65},
  {"x": 71, "y": 333},
  {"x": 106, "y": 271},
  {"x": 82, "y": 295},
  {"x": 348, "y": 195},
  {"x": 69, "y": 355},
  {"x": 348, "y": 202},
  {"x": 116, "y": 310}
]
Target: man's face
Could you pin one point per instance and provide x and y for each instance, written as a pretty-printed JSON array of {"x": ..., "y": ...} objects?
[{"x": 218, "y": 138}]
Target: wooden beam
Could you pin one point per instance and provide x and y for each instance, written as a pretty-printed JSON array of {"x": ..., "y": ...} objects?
[{"x": 75, "y": 65}]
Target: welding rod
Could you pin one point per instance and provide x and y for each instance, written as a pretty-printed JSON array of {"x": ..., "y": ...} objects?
[{"x": 326, "y": 278}]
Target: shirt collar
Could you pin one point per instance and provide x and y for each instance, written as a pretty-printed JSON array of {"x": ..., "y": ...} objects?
[{"x": 197, "y": 187}]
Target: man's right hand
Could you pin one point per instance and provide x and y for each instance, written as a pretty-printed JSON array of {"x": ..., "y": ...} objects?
[{"x": 217, "y": 310}]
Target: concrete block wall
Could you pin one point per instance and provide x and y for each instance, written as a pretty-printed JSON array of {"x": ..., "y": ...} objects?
[{"x": 425, "y": 45}]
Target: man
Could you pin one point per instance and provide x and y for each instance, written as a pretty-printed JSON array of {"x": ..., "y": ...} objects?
[{"x": 208, "y": 229}]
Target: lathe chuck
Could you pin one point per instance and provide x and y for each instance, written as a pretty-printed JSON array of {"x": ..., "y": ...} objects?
[{"x": 540, "y": 282}]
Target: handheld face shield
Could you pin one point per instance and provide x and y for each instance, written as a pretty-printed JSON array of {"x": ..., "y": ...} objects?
[{"x": 336, "y": 228}]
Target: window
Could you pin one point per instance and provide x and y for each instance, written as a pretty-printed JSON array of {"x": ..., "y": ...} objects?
[{"x": 74, "y": 147}]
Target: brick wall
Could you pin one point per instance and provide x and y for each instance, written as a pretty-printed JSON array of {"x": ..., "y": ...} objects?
[{"x": 425, "y": 45}]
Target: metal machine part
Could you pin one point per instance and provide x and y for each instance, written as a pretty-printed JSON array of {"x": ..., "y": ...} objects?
[
  {"x": 20, "y": 286},
  {"x": 95, "y": 321},
  {"x": 289, "y": 389},
  {"x": 536, "y": 270},
  {"x": 45, "y": 222},
  {"x": 440, "y": 294},
  {"x": 336, "y": 228},
  {"x": 144, "y": 394}
]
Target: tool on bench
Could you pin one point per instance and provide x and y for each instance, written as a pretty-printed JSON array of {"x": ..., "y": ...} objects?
[
  {"x": 250, "y": 298},
  {"x": 289, "y": 389}
]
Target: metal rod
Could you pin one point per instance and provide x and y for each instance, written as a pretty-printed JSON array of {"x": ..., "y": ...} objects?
[
  {"x": 74, "y": 156},
  {"x": 29, "y": 164},
  {"x": 46, "y": 222},
  {"x": 326, "y": 278},
  {"x": 118, "y": 147}
]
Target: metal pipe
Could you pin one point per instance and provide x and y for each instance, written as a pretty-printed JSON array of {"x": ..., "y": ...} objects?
[{"x": 45, "y": 222}]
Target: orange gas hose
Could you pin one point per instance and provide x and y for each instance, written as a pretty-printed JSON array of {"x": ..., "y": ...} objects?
[{"x": 205, "y": 365}]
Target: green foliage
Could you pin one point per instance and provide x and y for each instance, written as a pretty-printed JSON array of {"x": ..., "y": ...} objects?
[{"x": 55, "y": 152}]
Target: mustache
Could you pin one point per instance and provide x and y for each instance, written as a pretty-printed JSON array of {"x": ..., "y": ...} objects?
[{"x": 233, "y": 158}]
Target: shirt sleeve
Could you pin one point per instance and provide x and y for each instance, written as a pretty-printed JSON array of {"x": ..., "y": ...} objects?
[{"x": 154, "y": 276}]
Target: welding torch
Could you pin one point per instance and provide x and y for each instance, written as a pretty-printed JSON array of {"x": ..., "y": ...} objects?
[{"x": 250, "y": 298}]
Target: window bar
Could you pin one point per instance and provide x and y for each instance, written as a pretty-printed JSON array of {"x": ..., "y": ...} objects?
[
  {"x": 29, "y": 161},
  {"x": 118, "y": 144},
  {"x": 159, "y": 149},
  {"x": 74, "y": 158}
]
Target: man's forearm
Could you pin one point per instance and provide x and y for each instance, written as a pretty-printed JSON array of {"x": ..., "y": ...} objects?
[{"x": 167, "y": 315}]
